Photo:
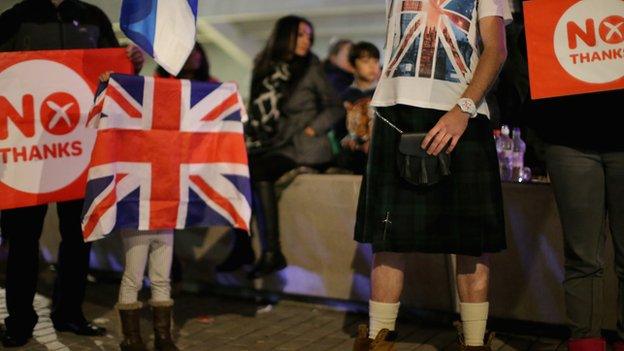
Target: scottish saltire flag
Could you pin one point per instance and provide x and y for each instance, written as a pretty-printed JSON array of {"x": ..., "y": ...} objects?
[
  {"x": 165, "y": 29},
  {"x": 169, "y": 154}
]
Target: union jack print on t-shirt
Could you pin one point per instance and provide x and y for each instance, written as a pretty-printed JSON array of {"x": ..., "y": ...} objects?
[{"x": 433, "y": 40}]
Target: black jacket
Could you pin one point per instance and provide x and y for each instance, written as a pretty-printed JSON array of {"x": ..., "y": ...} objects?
[
  {"x": 39, "y": 25},
  {"x": 588, "y": 121}
]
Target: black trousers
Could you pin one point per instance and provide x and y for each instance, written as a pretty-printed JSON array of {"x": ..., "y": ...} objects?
[
  {"x": 354, "y": 161},
  {"x": 23, "y": 227}
]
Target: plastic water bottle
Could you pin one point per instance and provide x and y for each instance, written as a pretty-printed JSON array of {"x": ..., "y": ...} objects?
[
  {"x": 504, "y": 148},
  {"x": 519, "y": 147}
]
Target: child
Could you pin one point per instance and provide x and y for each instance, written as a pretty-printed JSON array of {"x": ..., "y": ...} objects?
[
  {"x": 364, "y": 57},
  {"x": 141, "y": 248},
  {"x": 155, "y": 248}
]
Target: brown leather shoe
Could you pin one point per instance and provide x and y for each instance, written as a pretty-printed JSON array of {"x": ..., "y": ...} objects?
[
  {"x": 382, "y": 342},
  {"x": 362, "y": 342},
  {"x": 461, "y": 344}
]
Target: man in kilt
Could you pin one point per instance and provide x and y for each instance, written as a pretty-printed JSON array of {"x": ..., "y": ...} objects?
[{"x": 441, "y": 59}]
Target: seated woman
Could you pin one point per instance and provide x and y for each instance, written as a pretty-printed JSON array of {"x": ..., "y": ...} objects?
[{"x": 292, "y": 107}]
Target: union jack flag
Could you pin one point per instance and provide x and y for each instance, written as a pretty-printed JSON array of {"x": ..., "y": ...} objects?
[
  {"x": 169, "y": 154},
  {"x": 434, "y": 40}
]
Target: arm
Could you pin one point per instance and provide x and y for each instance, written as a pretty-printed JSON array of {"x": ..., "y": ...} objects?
[
  {"x": 453, "y": 124},
  {"x": 331, "y": 111}
]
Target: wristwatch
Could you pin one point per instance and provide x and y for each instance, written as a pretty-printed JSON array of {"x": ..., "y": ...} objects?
[{"x": 468, "y": 106}]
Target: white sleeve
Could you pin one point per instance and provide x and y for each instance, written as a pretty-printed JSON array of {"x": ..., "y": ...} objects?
[{"x": 499, "y": 8}]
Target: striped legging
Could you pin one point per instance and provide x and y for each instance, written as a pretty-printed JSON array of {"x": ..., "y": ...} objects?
[{"x": 155, "y": 247}]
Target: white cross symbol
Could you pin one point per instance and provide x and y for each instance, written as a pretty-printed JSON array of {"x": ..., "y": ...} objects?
[
  {"x": 60, "y": 114},
  {"x": 614, "y": 29}
]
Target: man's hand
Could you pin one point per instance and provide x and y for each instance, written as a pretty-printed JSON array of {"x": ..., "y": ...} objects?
[
  {"x": 136, "y": 57},
  {"x": 453, "y": 124},
  {"x": 449, "y": 128},
  {"x": 309, "y": 132}
]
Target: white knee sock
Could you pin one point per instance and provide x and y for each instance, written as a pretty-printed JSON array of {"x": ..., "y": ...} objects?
[
  {"x": 474, "y": 319},
  {"x": 382, "y": 316}
]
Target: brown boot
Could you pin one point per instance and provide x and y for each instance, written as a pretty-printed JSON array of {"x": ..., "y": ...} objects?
[
  {"x": 461, "y": 344},
  {"x": 130, "y": 315},
  {"x": 162, "y": 326},
  {"x": 382, "y": 342},
  {"x": 362, "y": 342}
]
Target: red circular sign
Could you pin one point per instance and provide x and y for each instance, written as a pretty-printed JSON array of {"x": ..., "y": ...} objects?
[
  {"x": 612, "y": 29},
  {"x": 60, "y": 113}
]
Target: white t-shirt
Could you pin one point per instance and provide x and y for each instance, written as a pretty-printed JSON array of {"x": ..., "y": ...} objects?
[{"x": 432, "y": 51}]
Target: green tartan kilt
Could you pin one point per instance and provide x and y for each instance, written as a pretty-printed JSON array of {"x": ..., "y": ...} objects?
[{"x": 461, "y": 215}]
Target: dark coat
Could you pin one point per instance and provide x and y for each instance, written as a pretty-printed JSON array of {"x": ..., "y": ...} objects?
[
  {"x": 311, "y": 103},
  {"x": 39, "y": 25}
]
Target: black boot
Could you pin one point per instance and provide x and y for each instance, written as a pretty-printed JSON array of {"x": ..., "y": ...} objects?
[
  {"x": 270, "y": 262},
  {"x": 272, "y": 259},
  {"x": 241, "y": 254}
]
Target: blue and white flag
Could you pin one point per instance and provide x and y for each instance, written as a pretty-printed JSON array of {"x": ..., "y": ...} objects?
[{"x": 165, "y": 29}]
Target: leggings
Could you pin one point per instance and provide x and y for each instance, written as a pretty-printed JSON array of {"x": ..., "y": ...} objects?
[{"x": 147, "y": 247}]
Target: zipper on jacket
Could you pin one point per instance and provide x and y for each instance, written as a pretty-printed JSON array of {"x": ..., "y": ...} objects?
[
  {"x": 60, "y": 23},
  {"x": 387, "y": 226}
]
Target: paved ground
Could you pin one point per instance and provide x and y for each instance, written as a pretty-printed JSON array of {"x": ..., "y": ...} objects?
[{"x": 207, "y": 322}]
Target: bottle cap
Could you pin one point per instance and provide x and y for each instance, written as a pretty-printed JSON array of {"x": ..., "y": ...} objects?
[{"x": 505, "y": 129}]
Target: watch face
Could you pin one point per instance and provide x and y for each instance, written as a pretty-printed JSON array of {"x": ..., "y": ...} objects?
[{"x": 467, "y": 106}]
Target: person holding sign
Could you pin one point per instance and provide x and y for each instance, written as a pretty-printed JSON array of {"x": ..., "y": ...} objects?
[
  {"x": 432, "y": 119},
  {"x": 50, "y": 25},
  {"x": 586, "y": 170},
  {"x": 575, "y": 65}
]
